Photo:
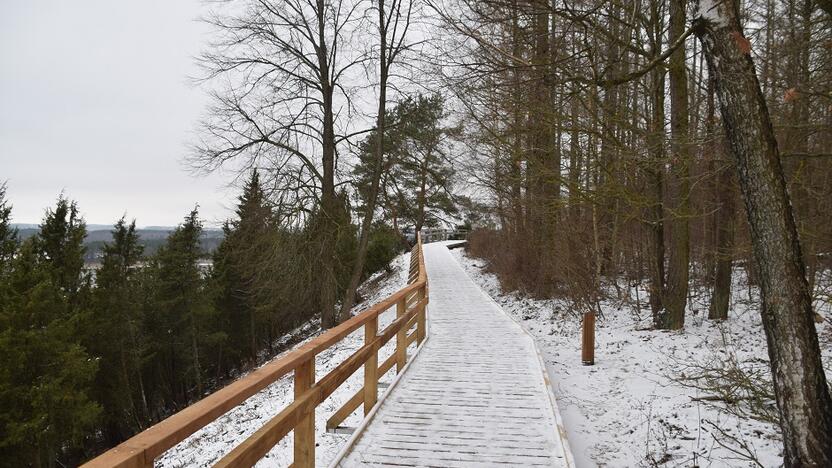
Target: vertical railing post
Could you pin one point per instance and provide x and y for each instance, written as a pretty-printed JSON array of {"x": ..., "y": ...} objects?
[
  {"x": 305, "y": 430},
  {"x": 588, "y": 339},
  {"x": 421, "y": 323},
  {"x": 401, "y": 337},
  {"x": 370, "y": 367}
]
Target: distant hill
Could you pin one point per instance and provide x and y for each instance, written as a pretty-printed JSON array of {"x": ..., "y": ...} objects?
[{"x": 151, "y": 237}]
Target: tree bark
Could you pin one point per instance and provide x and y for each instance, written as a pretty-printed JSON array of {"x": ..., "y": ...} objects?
[
  {"x": 800, "y": 386},
  {"x": 723, "y": 222},
  {"x": 329, "y": 202},
  {"x": 655, "y": 172},
  {"x": 676, "y": 285}
]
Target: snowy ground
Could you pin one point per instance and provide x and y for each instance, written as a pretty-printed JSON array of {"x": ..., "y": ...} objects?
[
  {"x": 208, "y": 445},
  {"x": 627, "y": 409}
]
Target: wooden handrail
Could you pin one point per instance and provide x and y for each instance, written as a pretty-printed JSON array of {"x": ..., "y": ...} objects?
[{"x": 142, "y": 449}]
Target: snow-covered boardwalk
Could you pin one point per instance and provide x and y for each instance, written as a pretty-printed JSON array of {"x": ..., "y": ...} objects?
[{"x": 476, "y": 395}]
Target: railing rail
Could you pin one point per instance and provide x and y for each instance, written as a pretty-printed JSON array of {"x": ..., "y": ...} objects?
[
  {"x": 299, "y": 416},
  {"x": 433, "y": 235}
]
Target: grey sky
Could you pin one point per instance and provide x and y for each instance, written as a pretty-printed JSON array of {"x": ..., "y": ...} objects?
[{"x": 94, "y": 101}]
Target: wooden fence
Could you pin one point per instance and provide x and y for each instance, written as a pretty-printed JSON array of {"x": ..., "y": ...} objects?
[{"x": 299, "y": 416}]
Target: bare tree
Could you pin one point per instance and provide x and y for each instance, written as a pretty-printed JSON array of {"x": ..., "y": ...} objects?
[
  {"x": 393, "y": 25},
  {"x": 278, "y": 68}
]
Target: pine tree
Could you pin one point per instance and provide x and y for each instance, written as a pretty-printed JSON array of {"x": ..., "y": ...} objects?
[{"x": 417, "y": 184}]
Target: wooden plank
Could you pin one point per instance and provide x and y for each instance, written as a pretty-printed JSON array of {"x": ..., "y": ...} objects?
[
  {"x": 422, "y": 327},
  {"x": 412, "y": 321},
  {"x": 351, "y": 405},
  {"x": 411, "y": 338},
  {"x": 259, "y": 443},
  {"x": 305, "y": 429},
  {"x": 465, "y": 401},
  {"x": 387, "y": 365},
  {"x": 358, "y": 398}
]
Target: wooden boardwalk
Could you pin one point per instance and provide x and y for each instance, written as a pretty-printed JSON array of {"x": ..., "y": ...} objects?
[{"x": 476, "y": 395}]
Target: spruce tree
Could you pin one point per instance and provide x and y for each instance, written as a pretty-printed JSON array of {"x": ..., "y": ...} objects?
[
  {"x": 239, "y": 288},
  {"x": 61, "y": 243},
  {"x": 45, "y": 374},
  {"x": 183, "y": 318},
  {"x": 8, "y": 234},
  {"x": 115, "y": 335}
]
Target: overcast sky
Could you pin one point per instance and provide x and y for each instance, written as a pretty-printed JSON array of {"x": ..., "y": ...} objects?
[{"x": 95, "y": 102}]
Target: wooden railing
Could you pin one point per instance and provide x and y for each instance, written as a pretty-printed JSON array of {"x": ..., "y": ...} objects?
[{"x": 299, "y": 416}]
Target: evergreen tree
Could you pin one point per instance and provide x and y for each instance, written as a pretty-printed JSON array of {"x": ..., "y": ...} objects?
[
  {"x": 181, "y": 321},
  {"x": 45, "y": 374},
  {"x": 8, "y": 247},
  {"x": 8, "y": 234},
  {"x": 115, "y": 335},
  {"x": 243, "y": 316},
  {"x": 417, "y": 185},
  {"x": 61, "y": 243}
]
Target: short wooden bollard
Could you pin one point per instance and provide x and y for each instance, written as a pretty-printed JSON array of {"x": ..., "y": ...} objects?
[{"x": 588, "y": 339}]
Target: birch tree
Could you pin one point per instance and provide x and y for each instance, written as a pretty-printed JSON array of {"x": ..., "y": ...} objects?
[{"x": 800, "y": 385}]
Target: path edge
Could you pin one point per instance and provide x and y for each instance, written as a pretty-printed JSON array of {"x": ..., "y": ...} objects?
[
  {"x": 561, "y": 428},
  {"x": 359, "y": 431}
]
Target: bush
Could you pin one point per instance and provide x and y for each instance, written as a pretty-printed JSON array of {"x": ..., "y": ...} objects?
[{"x": 383, "y": 246}]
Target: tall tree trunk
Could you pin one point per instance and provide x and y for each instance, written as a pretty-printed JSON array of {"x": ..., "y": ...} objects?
[
  {"x": 367, "y": 221},
  {"x": 540, "y": 153},
  {"x": 723, "y": 221},
  {"x": 328, "y": 236},
  {"x": 655, "y": 171},
  {"x": 195, "y": 351},
  {"x": 421, "y": 196},
  {"x": 724, "y": 217},
  {"x": 252, "y": 325},
  {"x": 517, "y": 124},
  {"x": 676, "y": 285},
  {"x": 800, "y": 387}
]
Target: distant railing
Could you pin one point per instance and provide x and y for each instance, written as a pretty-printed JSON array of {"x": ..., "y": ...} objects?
[
  {"x": 299, "y": 416},
  {"x": 435, "y": 235}
]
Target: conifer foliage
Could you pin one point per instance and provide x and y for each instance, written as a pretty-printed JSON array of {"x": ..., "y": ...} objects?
[{"x": 93, "y": 355}]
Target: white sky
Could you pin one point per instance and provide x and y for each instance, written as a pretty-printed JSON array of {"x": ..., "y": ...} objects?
[{"x": 95, "y": 102}]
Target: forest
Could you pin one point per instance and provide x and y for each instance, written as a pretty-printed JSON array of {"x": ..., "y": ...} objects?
[
  {"x": 93, "y": 356},
  {"x": 592, "y": 147}
]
